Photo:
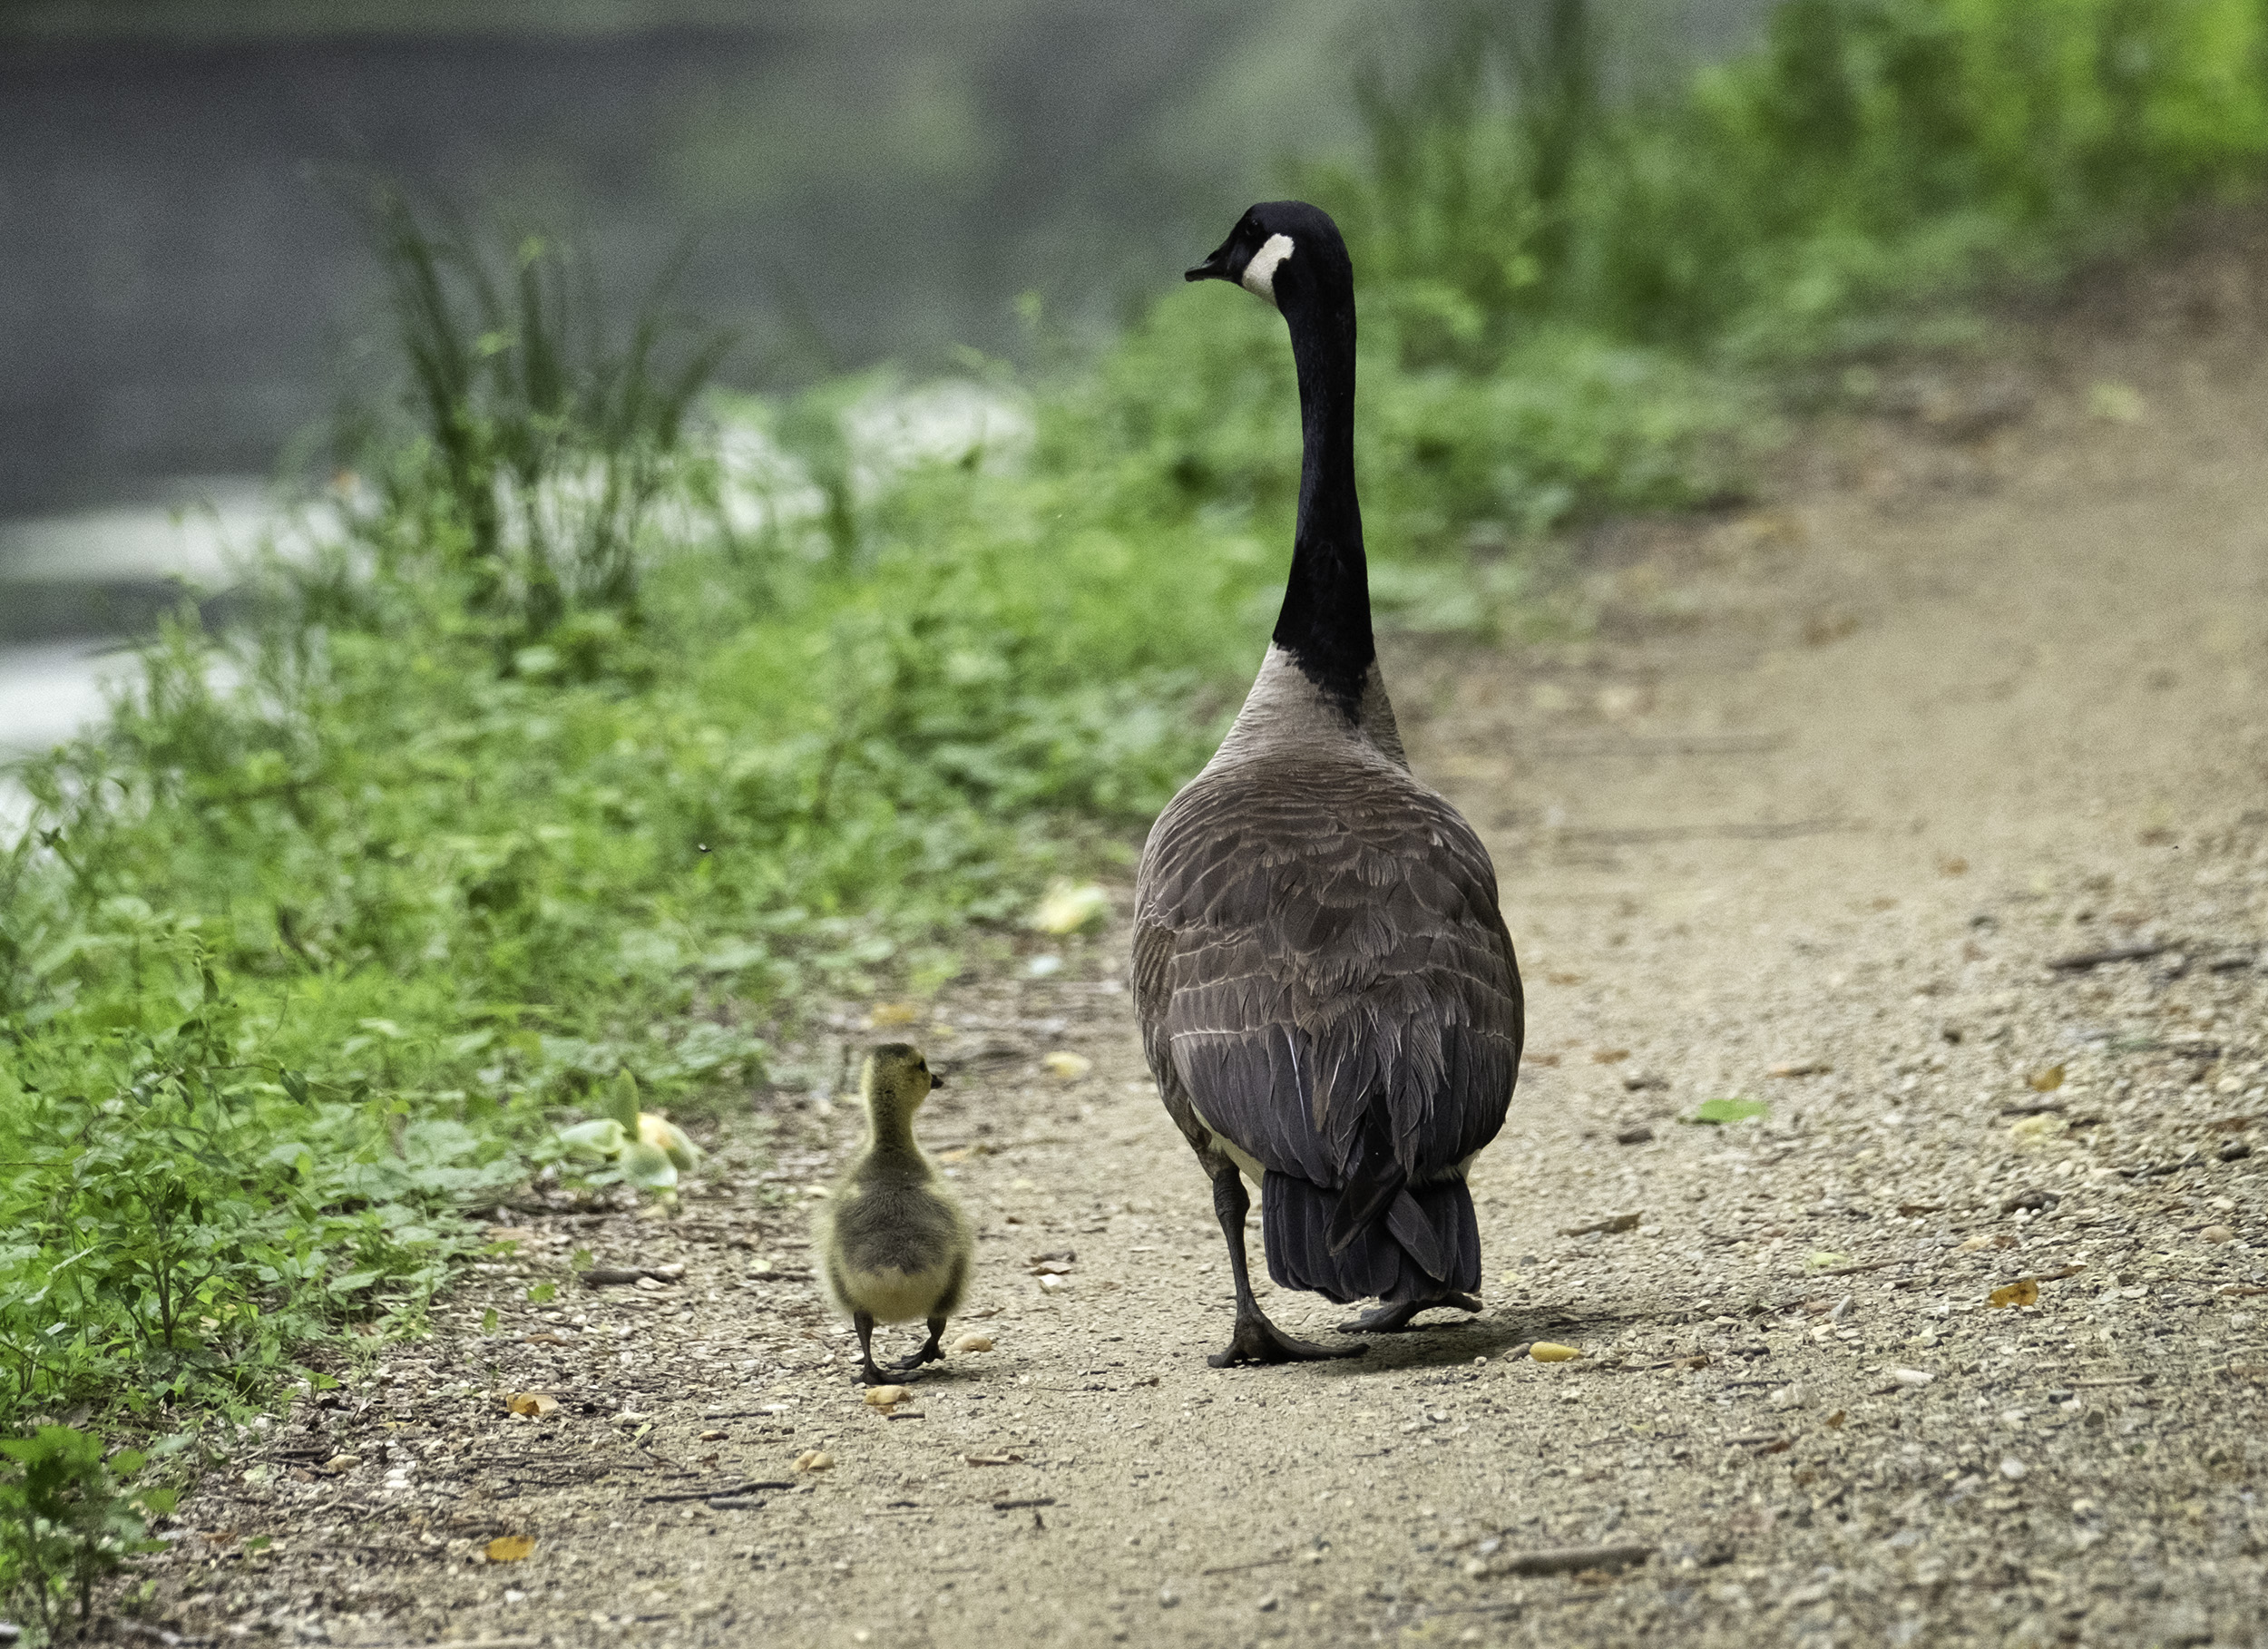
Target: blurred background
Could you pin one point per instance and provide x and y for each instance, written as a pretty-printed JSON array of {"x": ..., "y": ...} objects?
[{"x": 188, "y": 287}]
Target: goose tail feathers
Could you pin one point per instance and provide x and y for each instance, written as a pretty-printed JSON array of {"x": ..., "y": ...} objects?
[{"x": 1423, "y": 1242}]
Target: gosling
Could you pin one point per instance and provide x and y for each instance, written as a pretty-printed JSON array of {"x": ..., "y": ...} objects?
[{"x": 895, "y": 1244}]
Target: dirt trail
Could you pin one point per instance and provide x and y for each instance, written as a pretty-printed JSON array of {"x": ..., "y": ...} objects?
[{"x": 1836, "y": 783}]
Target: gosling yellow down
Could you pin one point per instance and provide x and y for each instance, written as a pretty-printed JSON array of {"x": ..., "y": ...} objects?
[{"x": 895, "y": 1246}]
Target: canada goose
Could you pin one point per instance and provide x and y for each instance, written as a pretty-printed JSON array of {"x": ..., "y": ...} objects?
[
  {"x": 1328, "y": 993},
  {"x": 895, "y": 1246}
]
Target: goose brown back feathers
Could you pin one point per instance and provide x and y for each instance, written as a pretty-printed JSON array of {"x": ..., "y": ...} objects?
[{"x": 1324, "y": 978}]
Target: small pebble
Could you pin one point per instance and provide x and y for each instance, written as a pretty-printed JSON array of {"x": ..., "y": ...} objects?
[
  {"x": 1789, "y": 1396},
  {"x": 881, "y": 1397},
  {"x": 2012, "y": 1469},
  {"x": 1267, "y": 1604},
  {"x": 973, "y": 1342},
  {"x": 1518, "y": 1351},
  {"x": 814, "y": 1460},
  {"x": 2218, "y": 1234},
  {"x": 1912, "y": 1377},
  {"x": 1167, "y": 1597}
]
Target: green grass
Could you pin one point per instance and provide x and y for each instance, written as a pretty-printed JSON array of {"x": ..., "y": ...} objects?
[{"x": 584, "y": 748}]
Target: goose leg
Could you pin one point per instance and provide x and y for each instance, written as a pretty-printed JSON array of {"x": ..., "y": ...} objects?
[
  {"x": 1257, "y": 1340},
  {"x": 1394, "y": 1319},
  {"x": 868, "y": 1374},
  {"x": 930, "y": 1352}
]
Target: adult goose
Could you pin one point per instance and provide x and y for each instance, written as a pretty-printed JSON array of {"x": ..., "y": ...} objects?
[{"x": 1327, "y": 991}]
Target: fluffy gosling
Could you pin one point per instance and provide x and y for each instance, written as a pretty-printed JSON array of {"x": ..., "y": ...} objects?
[{"x": 895, "y": 1244}]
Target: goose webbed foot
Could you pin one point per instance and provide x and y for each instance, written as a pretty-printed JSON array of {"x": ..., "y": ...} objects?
[
  {"x": 1258, "y": 1341},
  {"x": 931, "y": 1351},
  {"x": 1397, "y": 1319}
]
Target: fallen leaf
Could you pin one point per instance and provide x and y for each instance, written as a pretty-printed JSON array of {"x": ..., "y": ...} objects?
[
  {"x": 715, "y": 1437},
  {"x": 1717, "y": 1112},
  {"x": 993, "y": 1459},
  {"x": 2046, "y": 1080},
  {"x": 1834, "y": 1421},
  {"x": 1617, "y": 1222},
  {"x": 973, "y": 1342},
  {"x": 1801, "y": 1067},
  {"x": 814, "y": 1460},
  {"x": 1543, "y": 1350},
  {"x": 2041, "y": 1126},
  {"x": 658, "y": 1133},
  {"x": 2023, "y": 1290},
  {"x": 1068, "y": 907},
  {"x": 1826, "y": 1260},
  {"x": 1051, "y": 1268},
  {"x": 1610, "y": 1056},
  {"x": 513, "y": 1233},
  {"x": 1070, "y": 1067},
  {"x": 340, "y": 1465},
  {"x": 1953, "y": 864},
  {"x": 546, "y": 1337},
  {"x": 1909, "y": 1210},
  {"x": 881, "y": 1397},
  {"x": 532, "y": 1405},
  {"x": 512, "y": 1549}
]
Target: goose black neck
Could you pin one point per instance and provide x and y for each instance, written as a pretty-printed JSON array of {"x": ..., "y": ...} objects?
[{"x": 1324, "y": 624}]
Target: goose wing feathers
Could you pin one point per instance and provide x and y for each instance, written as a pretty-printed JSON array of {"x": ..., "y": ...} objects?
[{"x": 1322, "y": 970}]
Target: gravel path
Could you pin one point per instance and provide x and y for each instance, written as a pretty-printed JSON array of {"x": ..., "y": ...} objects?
[{"x": 1810, "y": 820}]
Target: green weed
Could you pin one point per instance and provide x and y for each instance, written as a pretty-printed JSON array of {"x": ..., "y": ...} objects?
[{"x": 66, "y": 1523}]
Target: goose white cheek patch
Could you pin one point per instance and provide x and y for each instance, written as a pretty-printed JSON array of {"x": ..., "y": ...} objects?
[{"x": 1260, "y": 276}]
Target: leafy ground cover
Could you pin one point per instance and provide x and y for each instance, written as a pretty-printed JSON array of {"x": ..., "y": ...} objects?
[{"x": 610, "y": 723}]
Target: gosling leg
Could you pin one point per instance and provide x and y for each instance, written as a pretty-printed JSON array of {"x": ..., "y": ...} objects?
[
  {"x": 930, "y": 1352},
  {"x": 868, "y": 1374},
  {"x": 1256, "y": 1340},
  {"x": 1396, "y": 1319}
]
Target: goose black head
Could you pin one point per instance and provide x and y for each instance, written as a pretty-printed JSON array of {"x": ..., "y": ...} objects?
[{"x": 1285, "y": 251}]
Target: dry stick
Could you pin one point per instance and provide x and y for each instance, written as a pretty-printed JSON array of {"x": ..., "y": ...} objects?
[
  {"x": 710, "y": 1493},
  {"x": 1239, "y": 1568},
  {"x": 2081, "y": 960},
  {"x": 1023, "y": 1505},
  {"x": 1569, "y": 1560}
]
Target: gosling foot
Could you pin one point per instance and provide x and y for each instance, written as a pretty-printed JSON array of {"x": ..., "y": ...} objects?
[
  {"x": 933, "y": 1350},
  {"x": 1257, "y": 1340},
  {"x": 869, "y": 1375},
  {"x": 1397, "y": 1319}
]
